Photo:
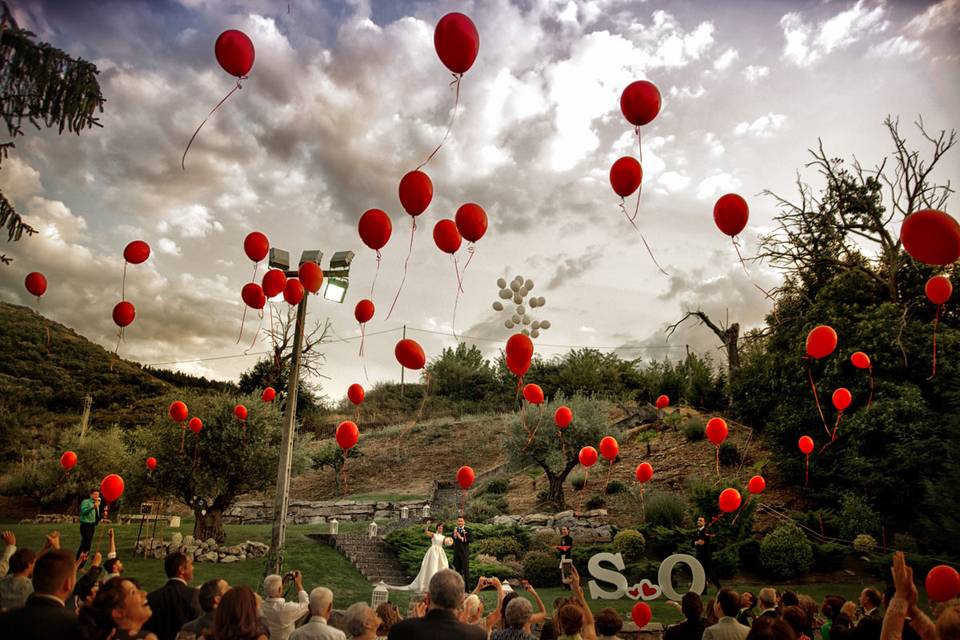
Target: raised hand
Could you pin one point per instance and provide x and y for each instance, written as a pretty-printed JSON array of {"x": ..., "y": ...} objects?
[
  {"x": 9, "y": 538},
  {"x": 53, "y": 539}
]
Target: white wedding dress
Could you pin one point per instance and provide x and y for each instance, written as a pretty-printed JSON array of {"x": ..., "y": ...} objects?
[{"x": 434, "y": 561}]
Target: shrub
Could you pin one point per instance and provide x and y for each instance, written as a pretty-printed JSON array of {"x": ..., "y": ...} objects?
[
  {"x": 665, "y": 509},
  {"x": 499, "y": 547},
  {"x": 729, "y": 454},
  {"x": 748, "y": 554},
  {"x": 905, "y": 542},
  {"x": 485, "y": 508},
  {"x": 864, "y": 543},
  {"x": 543, "y": 539},
  {"x": 596, "y": 502},
  {"x": 694, "y": 429},
  {"x": 491, "y": 569},
  {"x": 725, "y": 562},
  {"x": 613, "y": 487},
  {"x": 542, "y": 569},
  {"x": 577, "y": 482},
  {"x": 785, "y": 552},
  {"x": 667, "y": 540},
  {"x": 637, "y": 571},
  {"x": 828, "y": 556},
  {"x": 856, "y": 516},
  {"x": 498, "y": 486},
  {"x": 631, "y": 544}
]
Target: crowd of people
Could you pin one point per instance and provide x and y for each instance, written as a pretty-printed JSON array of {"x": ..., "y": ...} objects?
[{"x": 48, "y": 594}]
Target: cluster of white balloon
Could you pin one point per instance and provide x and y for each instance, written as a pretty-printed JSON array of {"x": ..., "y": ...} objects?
[{"x": 515, "y": 293}]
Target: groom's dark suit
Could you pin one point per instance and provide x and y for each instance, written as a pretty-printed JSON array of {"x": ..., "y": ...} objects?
[{"x": 461, "y": 554}]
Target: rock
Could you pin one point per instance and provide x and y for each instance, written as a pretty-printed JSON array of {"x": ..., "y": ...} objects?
[
  {"x": 504, "y": 520},
  {"x": 209, "y": 557},
  {"x": 545, "y": 531},
  {"x": 176, "y": 539},
  {"x": 536, "y": 518},
  {"x": 228, "y": 559},
  {"x": 190, "y": 549},
  {"x": 242, "y": 556},
  {"x": 188, "y": 540},
  {"x": 563, "y": 514}
]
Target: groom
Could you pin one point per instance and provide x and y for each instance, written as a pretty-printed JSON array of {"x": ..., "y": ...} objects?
[{"x": 461, "y": 551}]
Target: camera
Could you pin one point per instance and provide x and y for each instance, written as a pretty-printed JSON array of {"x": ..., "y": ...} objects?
[
  {"x": 290, "y": 575},
  {"x": 566, "y": 570}
]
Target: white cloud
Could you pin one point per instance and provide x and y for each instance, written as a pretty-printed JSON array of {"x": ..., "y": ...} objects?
[
  {"x": 716, "y": 185},
  {"x": 945, "y": 13},
  {"x": 19, "y": 180},
  {"x": 897, "y": 47},
  {"x": 687, "y": 92},
  {"x": 755, "y": 73},
  {"x": 193, "y": 221},
  {"x": 807, "y": 43},
  {"x": 762, "y": 127},
  {"x": 726, "y": 59},
  {"x": 569, "y": 14},
  {"x": 168, "y": 247},
  {"x": 673, "y": 181},
  {"x": 713, "y": 143}
]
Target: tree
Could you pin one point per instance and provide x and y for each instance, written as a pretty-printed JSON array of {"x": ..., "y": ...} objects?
[
  {"x": 462, "y": 374},
  {"x": 331, "y": 457},
  {"x": 729, "y": 335},
  {"x": 44, "y": 86},
  {"x": 219, "y": 465},
  {"x": 536, "y": 440}
]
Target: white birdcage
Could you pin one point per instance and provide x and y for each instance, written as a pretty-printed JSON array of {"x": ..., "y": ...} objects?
[
  {"x": 426, "y": 511},
  {"x": 404, "y": 512},
  {"x": 334, "y": 527},
  {"x": 380, "y": 595},
  {"x": 372, "y": 529}
]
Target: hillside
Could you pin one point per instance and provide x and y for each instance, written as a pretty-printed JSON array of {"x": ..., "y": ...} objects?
[{"x": 43, "y": 387}]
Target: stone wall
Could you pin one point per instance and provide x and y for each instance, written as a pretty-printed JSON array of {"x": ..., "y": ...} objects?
[
  {"x": 320, "y": 512},
  {"x": 589, "y": 526},
  {"x": 201, "y": 551}
]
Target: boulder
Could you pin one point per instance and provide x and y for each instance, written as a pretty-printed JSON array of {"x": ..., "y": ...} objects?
[
  {"x": 210, "y": 556},
  {"x": 176, "y": 539},
  {"x": 505, "y": 520},
  {"x": 228, "y": 559},
  {"x": 536, "y": 519},
  {"x": 188, "y": 540}
]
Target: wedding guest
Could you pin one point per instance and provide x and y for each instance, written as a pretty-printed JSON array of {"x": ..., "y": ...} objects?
[{"x": 118, "y": 612}]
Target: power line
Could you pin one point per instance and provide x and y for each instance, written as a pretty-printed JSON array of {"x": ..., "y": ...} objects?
[{"x": 560, "y": 346}]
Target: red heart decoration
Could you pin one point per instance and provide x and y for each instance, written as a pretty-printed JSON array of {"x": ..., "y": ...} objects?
[
  {"x": 647, "y": 589},
  {"x": 633, "y": 593}
]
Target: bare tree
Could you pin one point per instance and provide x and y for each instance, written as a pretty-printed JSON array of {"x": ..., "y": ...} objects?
[{"x": 729, "y": 335}]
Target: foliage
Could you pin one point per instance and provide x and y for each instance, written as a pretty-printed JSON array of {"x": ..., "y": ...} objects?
[
  {"x": 692, "y": 381},
  {"x": 578, "y": 481},
  {"x": 498, "y": 547},
  {"x": 495, "y": 486},
  {"x": 829, "y": 556},
  {"x": 905, "y": 542},
  {"x": 664, "y": 541},
  {"x": 665, "y": 509},
  {"x": 187, "y": 381},
  {"x": 694, "y": 429},
  {"x": 614, "y": 487},
  {"x": 331, "y": 456},
  {"x": 630, "y": 543},
  {"x": 729, "y": 454},
  {"x": 485, "y": 507},
  {"x": 786, "y": 553},
  {"x": 596, "y": 502},
  {"x": 864, "y": 543},
  {"x": 705, "y": 498},
  {"x": 463, "y": 376},
  {"x": 856, "y": 516},
  {"x": 725, "y": 562},
  {"x": 542, "y": 569}
]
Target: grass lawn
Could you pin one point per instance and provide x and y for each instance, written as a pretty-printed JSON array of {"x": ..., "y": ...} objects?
[{"x": 322, "y": 565}]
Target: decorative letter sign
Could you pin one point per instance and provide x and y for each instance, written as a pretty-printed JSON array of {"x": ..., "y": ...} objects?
[{"x": 643, "y": 590}]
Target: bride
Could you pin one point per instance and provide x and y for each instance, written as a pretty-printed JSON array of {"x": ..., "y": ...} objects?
[{"x": 434, "y": 561}]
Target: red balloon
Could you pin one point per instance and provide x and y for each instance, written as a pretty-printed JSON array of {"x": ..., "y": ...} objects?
[
  {"x": 123, "y": 313},
  {"x": 519, "y": 350},
  {"x": 111, "y": 487},
  {"x": 136, "y": 252},
  {"x": 640, "y": 102},
  {"x": 730, "y": 214},
  {"x": 942, "y": 583},
  {"x": 533, "y": 394},
  {"x": 938, "y": 289},
  {"x": 416, "y": 192},
  {"x": 151, "y": 463},
  {"x": 273, "y": 282},
  {"x": 446, "y": 236},
  {"x": 931, "y": 237},
  {"x": 644, "y": 472},
  {"x": 518, "y": 370},
  {"x": 842, "y": 399},
  {"x": 860, "y": 360},
  {"x": 256, "y": 246},
  {"x": 268, "y": 394},
  {"x": 240, "y": 411},
  {"x": 717, "y": 430},
  {"x": 641, "y": 614},
  {"x": 234, "y": 52},
  {"x": 471, "y": 221},
  {"x": 821, "y": 341},
  {"x": 609, "y": 448},
  {"x": 311, "y": 276},
  {"x": 347, "y": 435},
  {"x": 563, "y": 417},
  {"x": 178, "y": 411},
  {"x": 625, "y": 176},
  {"x": 410, "y": 354},
  {"x": 36, "y": 283},
  {"x": 356, "y": 394},
  {"x": 364, "y": 311},
  {"x": 253, "y": 295},
  {"x": 465, "y": 477},
  {"x": 457, "y": 42},
  {"x": 757, "y": 484},
  {"x": 293, "y": 291},
  {"x": 68, "y": 460},
  {"x": 588, "y": 456},
  {"x": 729, "y": 500},
  {"x": 806, "y": 444},
  {"x": 375, "y": 227},
  {"x": 195, "y": 425},
  {"x": 663, "y": 402}
]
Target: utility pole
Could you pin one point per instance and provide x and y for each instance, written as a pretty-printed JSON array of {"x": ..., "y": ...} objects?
[
  {"x": 85, "y": 419},
  {"x": 281, "y": 499}
]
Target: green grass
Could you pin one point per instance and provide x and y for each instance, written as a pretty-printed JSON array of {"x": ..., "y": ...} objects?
[
  {"x": 322, "y": 565},
  {"x": 386, "y": 497}
]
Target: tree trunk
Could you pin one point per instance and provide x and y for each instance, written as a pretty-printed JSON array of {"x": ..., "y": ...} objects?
[
  {"x": 555, "y": 496},
  {"x": 731, "y": 341},
  {"x": 209, "y": 524}
]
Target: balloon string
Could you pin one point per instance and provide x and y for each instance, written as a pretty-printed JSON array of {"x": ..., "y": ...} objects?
[
  {"x": 256, "y": 334},
  {"x": 649, "y": 250},
  {"x": 46, "y": 325},
  {"x": 718, "y": 463},
  {"x": 533, "y": 434},
  {"x": 870, "y": 399},
  {"x": 470, "y": 250},
  {"x": 183, "y": 435},
  {"x": 123, "y": 282},
  {"x": 563, "y": 444},
  {"x": 816, "y": 398},
  {"x": 243, "y": 318},
  {"x": 806, "y": 481},
  {"x": 244, "y": 433},
  {"x": 607, "y": 482},
  {"x": 457, "y": 77},
  {"x": 636, "y": 209},
  {"x": 456, "y": 300},
  {"x": 423, "y": 404},
  {"x": 833, "y": 436},
  {"x": 375, "y": 274},
  {"x": 586, "y": 476},
  {"x": 196, "y": 446},
  {"x": 936, "y": 321},
  {"x": 405, "y": 264},
  {"x": 456, "y": 270},
  {"x": 119, "y": 338},
  {"x": 183, "y": 160},
  {"x": 343, "y": 472},
  {"x": 362, "y": 336},
  {"x": 736, "y": 246}
]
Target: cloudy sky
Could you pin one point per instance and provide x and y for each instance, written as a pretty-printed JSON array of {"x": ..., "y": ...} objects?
[{"x": 346, "y": 97}]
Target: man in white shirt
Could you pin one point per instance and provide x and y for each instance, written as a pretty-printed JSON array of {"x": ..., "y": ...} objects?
[
  {"x": 727, "y": 606},
  {"x": 321, "y": 605},
  {"x": 279, "y": 614}
]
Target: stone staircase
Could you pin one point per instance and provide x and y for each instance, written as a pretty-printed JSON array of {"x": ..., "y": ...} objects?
[
  {"x": 372, "y": 557},
  {"x": 445, "y": 501}
]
